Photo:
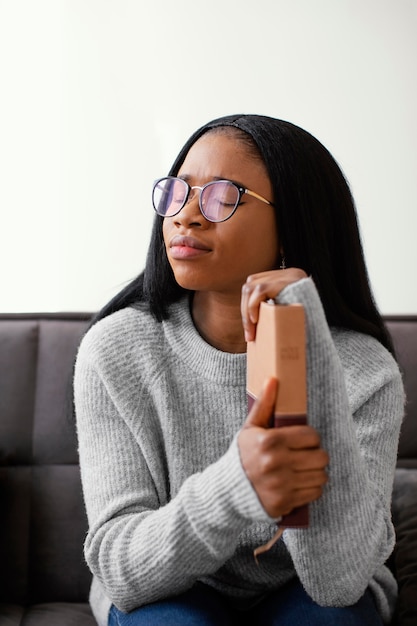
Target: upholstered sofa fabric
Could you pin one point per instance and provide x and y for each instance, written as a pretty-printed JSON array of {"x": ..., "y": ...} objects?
[
  {"x": 403, "y": 330},
  {"x": 42, "y": 521},
  {"x": 44, "y": 580},
  {"x": 48, "y": 614},
  {"x": 404, "y": 505}
]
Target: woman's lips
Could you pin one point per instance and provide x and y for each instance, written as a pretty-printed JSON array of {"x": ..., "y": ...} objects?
[{"x": 186, "y": 247}]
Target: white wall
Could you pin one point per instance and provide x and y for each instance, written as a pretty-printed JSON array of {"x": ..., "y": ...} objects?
[{"x": 97, "y": 97}]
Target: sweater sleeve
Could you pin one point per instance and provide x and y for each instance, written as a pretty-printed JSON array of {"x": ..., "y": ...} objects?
[
  {"x": 139, "y": 548},
  {"x": 357, "y": 407}
]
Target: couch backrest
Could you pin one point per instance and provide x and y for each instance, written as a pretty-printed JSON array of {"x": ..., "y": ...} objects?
[
  {"x": 403, "y": 330},
  {"x": 42, "y": 520}
]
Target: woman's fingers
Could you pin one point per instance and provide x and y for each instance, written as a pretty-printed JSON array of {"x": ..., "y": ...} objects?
[
  {"x": 261, "y": 287},
  {"x": 286, "y": 466}
]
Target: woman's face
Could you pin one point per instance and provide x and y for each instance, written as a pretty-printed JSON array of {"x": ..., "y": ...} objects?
[{"x": 219, "y": 256}]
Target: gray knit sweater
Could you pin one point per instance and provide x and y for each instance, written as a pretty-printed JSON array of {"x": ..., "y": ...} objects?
[{"x": 168, "y": 502}]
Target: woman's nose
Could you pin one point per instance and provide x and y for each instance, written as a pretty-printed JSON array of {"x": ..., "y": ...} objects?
[
  {"x": 190, "y": 212},
  {"x": 194, "y": 194}
]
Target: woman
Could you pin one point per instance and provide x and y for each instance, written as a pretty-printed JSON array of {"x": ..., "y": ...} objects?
[{"x": 181, "y": 486}]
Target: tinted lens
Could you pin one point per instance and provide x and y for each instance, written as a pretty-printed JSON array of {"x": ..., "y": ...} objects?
[
  {"x": 218, "y": 200},
  {"x": 169, "y": 196}
]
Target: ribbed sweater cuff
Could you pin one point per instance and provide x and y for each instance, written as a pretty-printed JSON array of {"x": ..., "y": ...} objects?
[{"x": 228, "y": 493}]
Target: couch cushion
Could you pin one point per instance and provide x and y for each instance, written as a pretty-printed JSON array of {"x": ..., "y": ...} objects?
[
  {"x": 404, "y": 513},
  {"x": 41, "y": 506},
  {"x": 54, "y": 436},
  {"x": 54, "y": 614},
  {"x": 403, "y": 330},
  {"x": 18, "y": 355}
]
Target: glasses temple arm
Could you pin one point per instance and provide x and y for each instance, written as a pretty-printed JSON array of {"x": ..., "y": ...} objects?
[{"x": 256, "y": 195}]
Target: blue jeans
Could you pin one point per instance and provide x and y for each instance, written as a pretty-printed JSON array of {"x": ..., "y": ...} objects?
[{"x": 289, "y": 606}]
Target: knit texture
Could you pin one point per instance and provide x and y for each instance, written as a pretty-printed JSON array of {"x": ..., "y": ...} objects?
[{"x": 168, "y": 502}]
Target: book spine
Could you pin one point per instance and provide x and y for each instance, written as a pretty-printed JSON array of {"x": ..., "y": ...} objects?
[{"x": 279, "y": 350}]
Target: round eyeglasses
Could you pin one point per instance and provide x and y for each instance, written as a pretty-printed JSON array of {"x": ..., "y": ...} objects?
[{"x": 218, "y": 199}]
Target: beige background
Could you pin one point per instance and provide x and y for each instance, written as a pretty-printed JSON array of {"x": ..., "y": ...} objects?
[{"x": 97, "y": 97}]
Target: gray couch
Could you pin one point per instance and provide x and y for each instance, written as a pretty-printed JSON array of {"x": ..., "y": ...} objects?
[{"x": 44, "y": 580}]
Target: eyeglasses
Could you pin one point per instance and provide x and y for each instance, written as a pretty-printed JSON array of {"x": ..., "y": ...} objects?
[{"x": 218, "y": 199}]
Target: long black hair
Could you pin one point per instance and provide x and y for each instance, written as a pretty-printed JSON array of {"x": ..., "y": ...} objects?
[{"x": 316, "y": 222}]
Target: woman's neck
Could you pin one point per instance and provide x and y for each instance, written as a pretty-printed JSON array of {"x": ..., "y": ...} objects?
[{"x": 218, "y": 320}]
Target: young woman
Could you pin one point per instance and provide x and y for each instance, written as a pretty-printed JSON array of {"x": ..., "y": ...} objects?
[{"x": 180, "y": 484}]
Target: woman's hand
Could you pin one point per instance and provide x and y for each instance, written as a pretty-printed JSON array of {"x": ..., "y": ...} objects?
[
  {"x": 261, "y": 287},
  {"x": 286, "y": 466}
]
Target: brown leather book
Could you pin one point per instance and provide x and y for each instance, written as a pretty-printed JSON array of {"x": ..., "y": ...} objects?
[{"x": 279, "y": 350}]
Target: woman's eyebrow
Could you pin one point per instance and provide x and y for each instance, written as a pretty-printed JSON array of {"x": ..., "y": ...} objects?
[{"x": 187, "y": 178}]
